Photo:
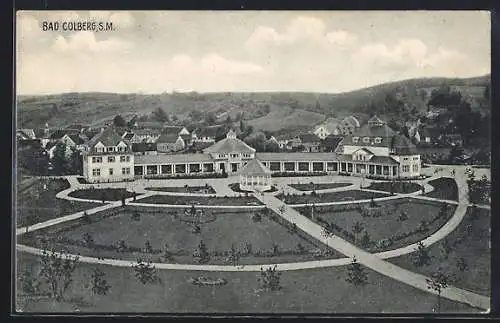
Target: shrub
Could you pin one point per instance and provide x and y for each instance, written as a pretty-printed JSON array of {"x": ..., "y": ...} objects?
[
  {"x": 269, "y": 279},
  {"x": 257, "y": 217}
]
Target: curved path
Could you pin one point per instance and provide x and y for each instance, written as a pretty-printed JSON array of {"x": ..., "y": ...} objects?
[{"x": 373, "y": 261}]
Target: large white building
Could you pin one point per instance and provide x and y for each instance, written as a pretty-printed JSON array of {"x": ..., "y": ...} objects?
[
  {"x": 108, "y": 158},
  {"x": 373, "y": 150}
]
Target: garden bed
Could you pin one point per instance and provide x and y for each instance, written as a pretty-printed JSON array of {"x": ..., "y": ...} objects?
[
  {"x": 106, "y": 194},
  {"x": 389, "y": 225},
  {"x": 395, "y": 187},
  {"x": 200, "y": 200},
  {"x": 38, "y": 202},
  {"x": 444, "y": 188},
  {"x": 470, "y": 241},
  {"x": 185, "y": 189},
  {"x": 236, "y": 188},
  {"x": 350, "y": 195},
  {"x": 318, "y": 186}
]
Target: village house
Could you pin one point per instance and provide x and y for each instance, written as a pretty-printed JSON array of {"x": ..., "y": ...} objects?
[
  {"x": 25, "y": 134},
  {"x": 144, "y": 148},
  {"x": 332, "y": 143},
  {"x": 206, "y": 134},
  {"x": 329, "y": 127},
  {"x": 170, "y": 142},
  {"x": 306, "y": 142},
  {"x": 348, "y": 126},
  {"x": 143, "y": 135}
]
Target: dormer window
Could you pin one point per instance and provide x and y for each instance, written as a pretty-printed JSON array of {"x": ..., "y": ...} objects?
[
  {"x": 378, "y": 140},
  {"x": 110, "y": 149},
  {"x": 355, "y": 139},
  {"x": 366, "y": 140}
]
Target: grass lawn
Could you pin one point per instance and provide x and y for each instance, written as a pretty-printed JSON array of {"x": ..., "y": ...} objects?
[
  {"x": 304, "y": 291},
  {"x": 469, "y": 241},
  {"x": 388, "y": 224},
  {"x": 397, "y": 187},
  {"x": 38, "y": 203},
  {"x": 163, "y": 227},
  {"x": 108, "y": 194},
  {"x": 236, "y": 187},
  {"x": 317, "y": 186},
  {"x": 185, "y": 189},
  {"x": 349, "y": 195},
  {"x": 199, "y": 200},
  {"x": 444, "y": 188}
]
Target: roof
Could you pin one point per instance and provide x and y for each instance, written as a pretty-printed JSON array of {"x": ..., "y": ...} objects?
[
  {"x": 331, "y": 142},
  {"x": 370, "y": 130},
  {"x": 50, "y": 145},
  {"x": 208, "y": 132},
  {"x": 76, "y": 139},
  {"x": 150, "y": 124},
  {"x": 329, "y": 124},
  {"x": 171, "y": 159},
  {"x": 229, "y": 145},
  {"x": 254, "y": 167},
  {"x": 309, "y": 138},
  {"x": 172, "y": 129},
  {"x": 128, "y": 135},
  {"x": 76, "y": 126},
  {"x": 108, "y": 137},
  {"x": 365, "y": 150},
  {"x": 403, "y": 146},
  {"x": 383, "y": 160},
  {"x": 351, "y": 120},
  {"x": 142, "y": 146},
  {"x": 375, "y": 120},
  {"x": 298, "y": 156},
  {"x": 167, "y": 138},
  {"x": 147, "y": 132},
  {"x": 58, "y": 134},
  {"x": 29, "y": 133}
]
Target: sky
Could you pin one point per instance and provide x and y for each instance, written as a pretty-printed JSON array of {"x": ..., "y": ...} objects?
[{"x": 246, "y": 51}]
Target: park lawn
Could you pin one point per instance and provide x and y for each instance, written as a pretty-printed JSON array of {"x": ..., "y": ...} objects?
[
  {"x": 349, "y": 195},
  {"x": 397, "y": 187},
  {"x": 107, "y": 194},
  {"x": 388, "y": 225},
  {"x": 185, "y": 189},
  {"x": 318, "y": 186},
  {"x": 37, "y": 204},
  {"x": 445, "y": 188},
  {"x": 321, "y": 290},
  {"x": 236, "y": 188},
  {"x": 164, "y": 228},
  {"x": 199, "y": 200},
  {"x": 473, "y": 246}
]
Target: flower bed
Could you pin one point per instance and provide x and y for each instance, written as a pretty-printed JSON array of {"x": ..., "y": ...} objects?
[
  {"x": 185, "y": 189},
  {"x": 349, "y": 195},
  {"x": 395, "y": 187},
  {"x": 318, "y": 186},
  {"x": 106, "y": 194},
  {"x": 298, "y": 174},
  {"x": 444, "y": 188},
  {"x": 236, "y": 188}
]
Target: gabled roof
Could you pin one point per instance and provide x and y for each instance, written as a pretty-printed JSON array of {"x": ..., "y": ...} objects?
[
  {"x": 351, "y": 120},
  {"x": 229, "y": 145},
  {"x": 149, "y": 125},
  {"x": 147, "y": 132},
  {"x": 208, "y": 132},
  {"x": 172, "y": 129},
  {"x": 403, "y": 146},
  {"x": 58, "y": 134},
  {"x": 76, "y": 139},
  {"x": 331, "y": 142},
  {"x": 142, "y": 146},
  {"x": 329, "y": 124},
  {"x": 254, "y": 168},
  {"x": 365, "y": 151},
  {"x": 309, "y": 138},
  {"x": 128, "y": 136},
  {"x": 108, "y": 137},
  {"x": 368, "y": 130},
  {"x": 375, "y": 120},
  {"x": 383, "y": 160},
  {"x": 29, "y": 133},
  {"x": 167, "y": 138}
]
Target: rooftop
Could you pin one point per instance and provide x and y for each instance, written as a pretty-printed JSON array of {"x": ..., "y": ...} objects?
[
  {"x": 167, "y": 138},
  {"x": 230, "y": 144},
  {"x": 108, "y": 137},
  {"x": 254, "y": 168},
  {"x": 298, "y": 156},
  {"x": 171, "y": 159}
]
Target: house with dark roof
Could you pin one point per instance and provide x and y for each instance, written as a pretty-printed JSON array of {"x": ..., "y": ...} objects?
[
  {"x": 170, "y": 142},
  {"x": 73, "y": 141},
  {"x": 143, "y": 148},
  {"x": 326, "y": 128},
  {"x": 332, "y": 143},
  {"x": 206, "y": 134},
  {"x": 306, "y": 142},
  {"x": 144, "y": 135},
  {"x": 25, "y": 134},
  {"x": 348, "y": 126}
]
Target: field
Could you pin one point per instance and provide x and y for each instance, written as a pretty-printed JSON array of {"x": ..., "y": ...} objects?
[
  {"x": 304, "y": 291},
  {"x": 282, "y": 117},
  {"x": 397, "y": 187},
  {"x": 199, "y": 200},
  {"x": 106, "y": 194},
  {"x": 185, "y": 189},
  {"x": 444, "y": 188},
  {"x": 169, "y": 227},
  {"x": 387, "y": 225},
  {"x": 317, "y": 186},
  {"x": 350, "y": 195},
  {"x": 37, "y": 203},
  {"x": 471, "y": 241}
]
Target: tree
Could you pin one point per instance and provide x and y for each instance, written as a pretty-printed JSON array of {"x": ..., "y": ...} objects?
[
  {"x": 59, "y": 159},
  {"x": 357, "y": 228},
  {"x": 365, "y": 240},
  {"x": 233, "y": 256},
  {"x": 29, "y": 284},
  {"x": 356, "y": 275},
  {"x": 293, "y": 228},
  {"x": 269, "y": 278},
  {"x": 99, "y": 284},
  {"x": 88, "y": 240},
  {"x": 57, "y": 271},
  {"x": 160, "y": 115},
  {"x": 462, "y": 264},
  {"x": 167, "y": 255},
  {"x": 75, "y": 161},
  {"x": 118, "y": 121},
  {"x": 147, "y": 247},
  {"x": 327, "y": 230},
  {"x": 437, "y": 282},
  {"x": 210, "y": 118},
  {"x": 421, "y": 256},
  {"x": 145, "y": 272},
  {"x": 201, "y": 253}
]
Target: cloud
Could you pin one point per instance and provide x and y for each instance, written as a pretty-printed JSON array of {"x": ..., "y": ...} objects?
[
  {"x": 215, "y": 63},
  {"x": 85, "y": 41},
  {"x": 301, "y": 30},
  {"x": 122, "y": 19}
]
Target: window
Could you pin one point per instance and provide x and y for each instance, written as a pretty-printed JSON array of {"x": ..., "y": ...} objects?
[
  {"x": 406, "y": 168},
  {"x": 111, "y": 159},
  {"x": 96, "y": 172},
  {"x": 247, "y": 155},
  {"x": 121, "y": 148},
  {"x": 111, "y": 149},
  {"x": 222, "y": 155},
  {"x": 405, "y": 158},
  {"x": 111, "y": 171},
  {"x": 415, "y": 168},
  {"x": 378, "y": 140},
  {"x": 127, "y": 158},
  {"x": 122, "y": 159},
  {"x": 96, "y": 159},
  {"x": 415, "y": 158},
  {"x": 355, "y": 139},
  {"x": 126, "y": 171},
  {"x": 366, "y": 140},
  {"x": 234, "y": 155}
]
